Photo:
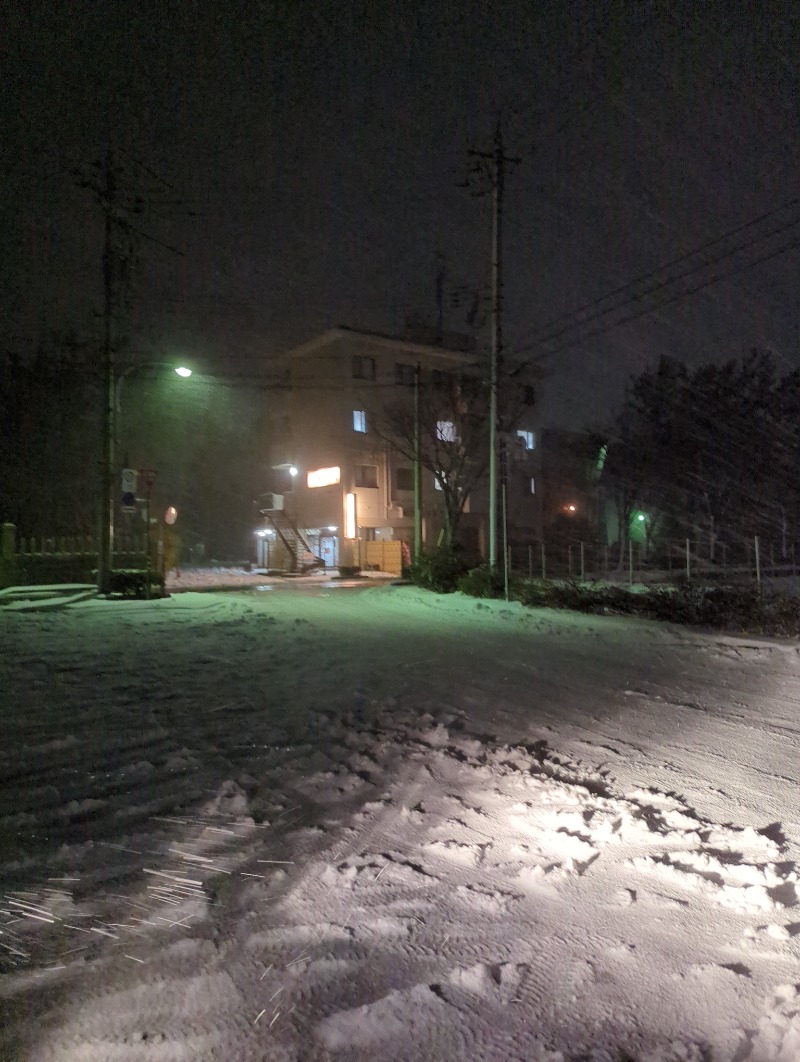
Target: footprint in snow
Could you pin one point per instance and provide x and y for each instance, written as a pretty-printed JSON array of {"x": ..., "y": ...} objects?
[{"x": 384, "y": 1020}]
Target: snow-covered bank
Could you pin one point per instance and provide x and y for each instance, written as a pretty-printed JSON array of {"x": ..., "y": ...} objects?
[{"x": 339, "y": 825}]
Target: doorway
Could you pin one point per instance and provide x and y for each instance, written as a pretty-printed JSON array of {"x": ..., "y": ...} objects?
[{"x": 329, "y": 551}]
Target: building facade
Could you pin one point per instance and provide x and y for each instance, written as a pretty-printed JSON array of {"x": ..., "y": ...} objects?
[{"x": 343, "y": 459}]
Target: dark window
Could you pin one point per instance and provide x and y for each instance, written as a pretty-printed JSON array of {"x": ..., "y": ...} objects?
[
  {"x": 366, "y": 475},
  {"x": 363, "y": 368},
  {"x": 529, "y": 395},
  {"x": 470, "y": 386},
  {"x": 404, "y": 374},
  {"x": 442, "y": 381},
  {"x": 404, "y": 479}
]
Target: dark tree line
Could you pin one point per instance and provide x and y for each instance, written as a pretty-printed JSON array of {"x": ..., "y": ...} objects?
[
  {"x": 712, "y": 454},
  {"x": 207, "y": 441},
  {"x": 50, "y": 439}
]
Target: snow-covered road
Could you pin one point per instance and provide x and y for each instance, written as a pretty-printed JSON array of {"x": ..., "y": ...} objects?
[{"x": 376, "y": 823}]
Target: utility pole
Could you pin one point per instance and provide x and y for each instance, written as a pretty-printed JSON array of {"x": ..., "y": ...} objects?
[
  {"x": 118, "y": 204},
  {"x": 105, "y": 558},
  {"x": 417, "y": 471},
  {"x": 494, "y": 163}
]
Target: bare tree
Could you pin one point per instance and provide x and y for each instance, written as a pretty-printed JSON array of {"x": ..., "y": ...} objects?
[{"x": 453, "y": 421}]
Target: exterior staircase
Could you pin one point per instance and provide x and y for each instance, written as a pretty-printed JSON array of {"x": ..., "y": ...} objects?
[{"x": 302, "y": 557}]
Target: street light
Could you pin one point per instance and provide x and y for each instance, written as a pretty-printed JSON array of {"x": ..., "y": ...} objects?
[
  {"x": 181, "y": 371},
  {"x": 105, "y": 558}
]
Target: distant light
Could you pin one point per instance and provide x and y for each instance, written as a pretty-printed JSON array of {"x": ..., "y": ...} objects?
[
  {"x": 292, "y": 470},
  {"x": 640, "y": 516},
  {"x": 349, "y": 516},
  {"x": 571, "y": 508},
  {"x": 261, "y": 534},
  {"x": 171, "y": 515},
  {"x": 183, "y": 371},
  {"x": 332, "y": 527},
  {"x": 324, "y": 477}
]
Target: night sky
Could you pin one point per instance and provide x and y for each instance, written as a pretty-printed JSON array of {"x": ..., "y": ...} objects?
[{"x": 308, "y": 160}]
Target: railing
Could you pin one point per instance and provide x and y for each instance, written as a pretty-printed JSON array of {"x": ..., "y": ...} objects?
[{"x": 670, "y": 562}]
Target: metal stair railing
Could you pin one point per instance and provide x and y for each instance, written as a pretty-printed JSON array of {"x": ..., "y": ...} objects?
[{"x": 291, "y": 535}]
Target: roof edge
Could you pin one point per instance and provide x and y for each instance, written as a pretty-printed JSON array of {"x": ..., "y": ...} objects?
[{"x": 380, "y": 339}]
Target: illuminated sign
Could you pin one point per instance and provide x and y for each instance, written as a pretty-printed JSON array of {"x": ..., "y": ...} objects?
[
  {"x": 349, "y": 516},
  {"x": 324, "y": 477}
]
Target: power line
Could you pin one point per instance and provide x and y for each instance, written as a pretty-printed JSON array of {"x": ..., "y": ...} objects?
[
  {"x": 673, "y": 280},
  {"x": 680, "y": 295},
  {"x": 542, "y": 332}
]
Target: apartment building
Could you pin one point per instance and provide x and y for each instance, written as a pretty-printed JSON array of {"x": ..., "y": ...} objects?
[{"x": 343, "y": 457}]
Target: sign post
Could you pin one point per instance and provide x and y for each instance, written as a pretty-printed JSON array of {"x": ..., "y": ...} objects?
[
  {"x": 147, "y": 479},
  {"x": 128, "y": 484}
]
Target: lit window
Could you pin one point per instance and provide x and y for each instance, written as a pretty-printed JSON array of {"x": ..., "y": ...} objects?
[
  {"x": 350, "y": 516},
  {"x": 528, "y": 438},
  {"x": 359, "y": 420},
  {"x": 366, "y": 475},
  {"x": 533, "y": 485},
  {"x": 404, "y": 479},
  {"x": 446, "y": 430},
  {"x": 363, "y": 368},
  {"x": 324, "y": 477},
  {"x": 437, "y": 480}
]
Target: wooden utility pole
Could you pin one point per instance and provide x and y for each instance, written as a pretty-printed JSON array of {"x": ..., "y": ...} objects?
[
  {"x": 417, "y": 469},
  {"x": 117, "y": 204},
  {"x": 495, "y": 162},
  {"x": 105, "y": 558}
]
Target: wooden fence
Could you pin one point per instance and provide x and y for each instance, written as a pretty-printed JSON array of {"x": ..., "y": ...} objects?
[
  {"x": 385, "y": 556},
  {"x": 68, "y": 559}
]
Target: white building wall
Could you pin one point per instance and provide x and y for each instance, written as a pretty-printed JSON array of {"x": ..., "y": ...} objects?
[{"x": 323, "y": 394}]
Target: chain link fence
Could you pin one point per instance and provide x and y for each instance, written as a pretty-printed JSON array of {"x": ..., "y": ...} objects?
[{"x": 674, "y": 562}]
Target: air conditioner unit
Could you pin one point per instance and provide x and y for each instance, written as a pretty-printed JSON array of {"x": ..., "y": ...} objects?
[
  {"x": 396, "y": 512},
  {"x": 271, "y": 502}
]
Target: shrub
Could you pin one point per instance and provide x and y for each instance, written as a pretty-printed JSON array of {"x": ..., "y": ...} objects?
[
  {"x": 134, "y": 582},
  {"x": 438, "y": 571},
  {"x": 482, "y": 582},
  {"x": 736, "y": 608},
  {"x": 535, "y": 593}
]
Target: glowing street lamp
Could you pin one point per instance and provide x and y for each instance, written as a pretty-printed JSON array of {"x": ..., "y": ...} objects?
[{"x": 180, "y": 370}]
